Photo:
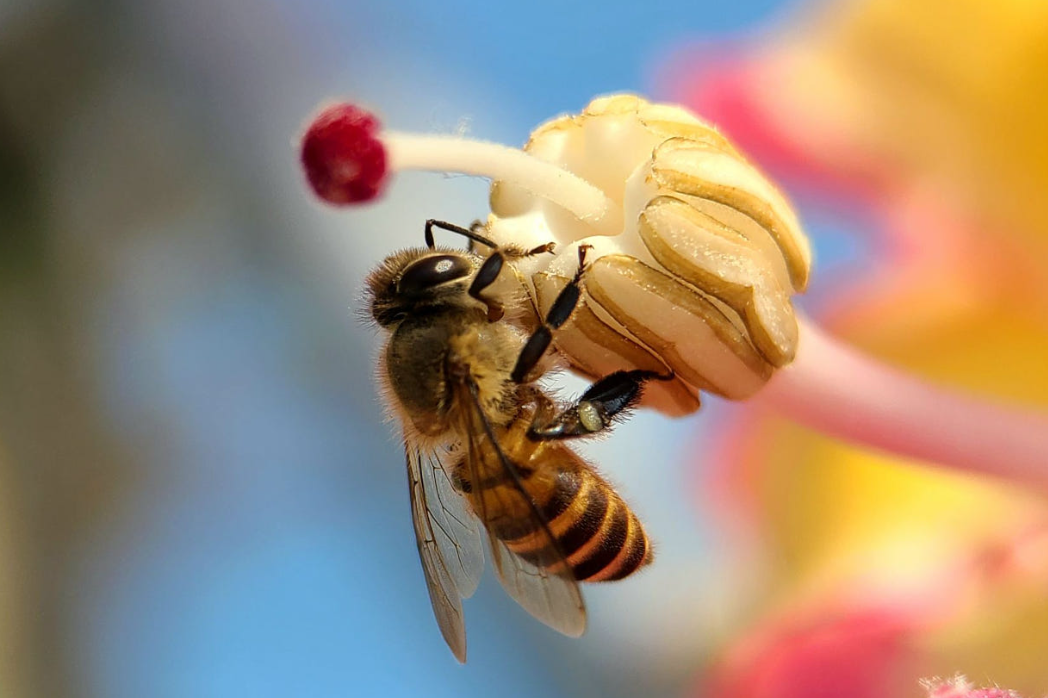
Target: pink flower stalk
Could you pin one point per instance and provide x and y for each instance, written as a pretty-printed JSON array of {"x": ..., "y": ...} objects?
[
  {"x": 839, "y": 391},
  {"x": 829, "y": 387}
]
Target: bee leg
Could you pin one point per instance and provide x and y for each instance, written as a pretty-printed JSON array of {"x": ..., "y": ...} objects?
[
  {"x": 489, "y": 272},
  {"x": 486, "y": 275},
  {"x": 604, "y": 403},
  {"x": 558, "y": 314},
  {"x": 543, "y": 409}
]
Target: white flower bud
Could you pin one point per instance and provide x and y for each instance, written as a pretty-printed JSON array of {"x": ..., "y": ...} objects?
[{"x": 693, "y": 269}]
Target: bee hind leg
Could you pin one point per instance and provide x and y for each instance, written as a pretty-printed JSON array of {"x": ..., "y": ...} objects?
[{"x": 605, "y": 402}]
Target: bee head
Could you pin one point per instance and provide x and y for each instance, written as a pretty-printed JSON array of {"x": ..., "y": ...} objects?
[{"x": 417, "y": 281}]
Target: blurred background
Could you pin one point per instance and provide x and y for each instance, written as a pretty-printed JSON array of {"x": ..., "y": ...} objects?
[{"x": 199, "y": 495}]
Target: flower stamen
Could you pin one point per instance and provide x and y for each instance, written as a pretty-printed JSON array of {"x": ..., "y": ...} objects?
[{"x": 348, "y": 161}]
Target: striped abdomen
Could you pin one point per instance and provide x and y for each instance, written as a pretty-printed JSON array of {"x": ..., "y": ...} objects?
[{"x": 595, "y": 531}]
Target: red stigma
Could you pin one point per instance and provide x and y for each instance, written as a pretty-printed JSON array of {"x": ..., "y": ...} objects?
[{"x": 344, "y": 160}]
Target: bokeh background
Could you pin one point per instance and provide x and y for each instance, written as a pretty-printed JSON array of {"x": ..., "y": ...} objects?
[{"x": 198, "y": 493}]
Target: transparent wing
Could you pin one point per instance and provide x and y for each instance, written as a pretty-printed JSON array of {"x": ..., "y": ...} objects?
[
  {"x": 449, "y": 543},
  {"x": 541, "y": 582},
  {"x": 552, "y": 597}
]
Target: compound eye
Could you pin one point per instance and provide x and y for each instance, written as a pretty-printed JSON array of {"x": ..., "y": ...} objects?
[{"x": 426, "y": 273}]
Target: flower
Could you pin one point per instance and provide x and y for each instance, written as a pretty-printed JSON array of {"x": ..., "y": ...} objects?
[
  {"x": 671, "y": 289},
  {"x": 699, "y": 259},
  {"x": 689, "y": 248}
]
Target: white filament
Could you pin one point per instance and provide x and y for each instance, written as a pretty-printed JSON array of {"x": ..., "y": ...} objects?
[{"x": 498, "y": 162}]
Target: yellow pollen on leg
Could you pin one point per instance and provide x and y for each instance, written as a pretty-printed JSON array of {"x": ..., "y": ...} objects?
[{"x": 589, "y": 416}]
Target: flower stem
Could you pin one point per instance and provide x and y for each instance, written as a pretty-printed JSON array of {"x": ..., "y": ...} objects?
[
  {"x": 498, "y": 162},
  {"x": 840, "y": 392}
]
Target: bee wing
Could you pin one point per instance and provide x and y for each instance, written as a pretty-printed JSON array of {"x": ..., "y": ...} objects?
[
  {"x": 542, "y": 583},
  {"x": 449, "y": 543},
  {"x": 552, "y": 597}
]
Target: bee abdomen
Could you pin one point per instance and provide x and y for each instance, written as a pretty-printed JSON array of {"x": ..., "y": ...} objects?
[
  {"x": 596, "y": 532},
  {"x": 618, "y": 546}
]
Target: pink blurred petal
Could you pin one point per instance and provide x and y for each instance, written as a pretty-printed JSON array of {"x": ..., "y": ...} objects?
[
  {"x": 960, "y": 687},
  {"x": 858, "y": 653},
  {"x": 734, "y": 87}
]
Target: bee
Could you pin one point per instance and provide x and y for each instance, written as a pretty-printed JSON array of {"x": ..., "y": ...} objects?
[{"x": 486, "y": 447}]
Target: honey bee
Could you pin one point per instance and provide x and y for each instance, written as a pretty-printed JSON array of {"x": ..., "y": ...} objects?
[{"x": 486, "y": 446}]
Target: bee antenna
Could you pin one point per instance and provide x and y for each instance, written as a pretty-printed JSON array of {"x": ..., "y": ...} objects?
[{"x": 458, "y": 229}]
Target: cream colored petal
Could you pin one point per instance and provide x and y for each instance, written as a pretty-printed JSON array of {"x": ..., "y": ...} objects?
[
  {"x": 615, "y": 104},
  {"x": 682, "y": 166},
  {"x": 670, "y": 121},
  {"x": 715, "y": 258},
  {"x": 546, "y": 140},
  {"x": 509, "y": 200},
  {"x": 752, "y": 233},
  {"x": 700, "y": 136},
  {"x": 681, "y": 326},
  {"x": 694, "y": 270},
  {"x": 662, "y": 120},
  {"x": 609, "y": 148},
  {"x": 596, "y": 349},
  {"x": 669, "y": 113}
]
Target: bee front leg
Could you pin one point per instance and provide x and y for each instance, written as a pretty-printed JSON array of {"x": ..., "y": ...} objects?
[
  {"x": 604, "y": 403},
  {"x": 558, "y": 314},
  {"x": 489, "y": 272}
]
